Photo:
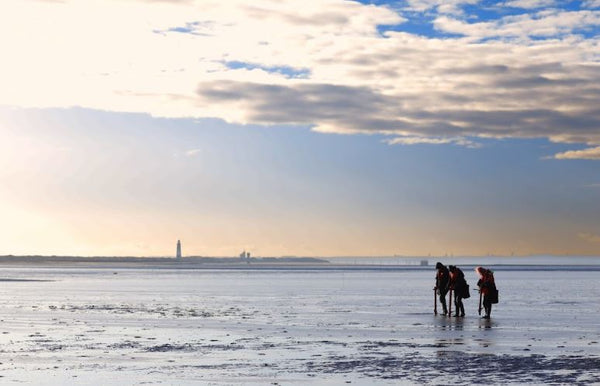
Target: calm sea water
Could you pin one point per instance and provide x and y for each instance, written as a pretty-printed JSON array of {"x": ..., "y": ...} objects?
[{"x": 115, "y": 326}]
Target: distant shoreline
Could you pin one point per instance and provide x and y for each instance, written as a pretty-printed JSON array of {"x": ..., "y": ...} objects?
[
  {"x": 192, "y": 260},
  {"x": 550, "y": 263}
]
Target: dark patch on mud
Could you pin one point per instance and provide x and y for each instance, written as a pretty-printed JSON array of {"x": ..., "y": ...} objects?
[
  {"x": 466, "y": 368},
  {"x": 124, "y": 345},
  {"x": 163, "y": 311},
  {"x": 189, "y": 347},
  {"x": 371, "y": 345},
  {"x": 25, "y": 280},
  {"x": 186, "y": 347},
  {"x": 123, "y": 309}
]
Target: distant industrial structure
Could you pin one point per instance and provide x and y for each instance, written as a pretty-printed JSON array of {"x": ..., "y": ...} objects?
[
  {"x": 178, "y": 253},
  {"x": 245, "y": 256}
]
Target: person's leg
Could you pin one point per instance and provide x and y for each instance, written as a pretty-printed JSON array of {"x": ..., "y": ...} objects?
[
  {"x": 487, "y": 305},
  {"x": 456, "y": 304},
  {"x": 443, "y": 302},
  {"x": 462, "y": 306}
]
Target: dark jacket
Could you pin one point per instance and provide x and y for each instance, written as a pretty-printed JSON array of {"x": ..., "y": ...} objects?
[
  {"x": 458, "y": 282},
  {"x": 442, "y": 279}
]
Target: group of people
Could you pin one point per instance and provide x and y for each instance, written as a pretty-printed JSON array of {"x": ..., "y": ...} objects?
[{"x": 452, "y": 279}]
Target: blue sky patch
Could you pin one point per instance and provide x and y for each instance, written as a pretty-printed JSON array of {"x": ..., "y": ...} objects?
[
  {"x": 287, "y": 71},
  {"x": 422, "y": 22},
  {"x": 191, "y": 28}
]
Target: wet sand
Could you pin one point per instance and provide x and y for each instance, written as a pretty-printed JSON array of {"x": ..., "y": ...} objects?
[{"x": 220, "y": 327}]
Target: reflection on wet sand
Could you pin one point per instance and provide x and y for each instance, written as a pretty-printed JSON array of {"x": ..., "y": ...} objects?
[
  {"x": 486, "y": 323},
  {"x": 449, "y": 323},
  {"x": 465, "y": 332}
]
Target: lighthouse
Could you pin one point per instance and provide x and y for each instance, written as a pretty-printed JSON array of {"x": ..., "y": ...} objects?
[{"x": 178, "y": 253}]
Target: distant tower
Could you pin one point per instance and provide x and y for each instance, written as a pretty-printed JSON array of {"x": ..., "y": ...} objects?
[{"x": 178, "y": 255}]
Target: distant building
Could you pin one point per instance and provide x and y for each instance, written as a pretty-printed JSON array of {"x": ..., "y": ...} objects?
[{"x": 178, "y": 253}]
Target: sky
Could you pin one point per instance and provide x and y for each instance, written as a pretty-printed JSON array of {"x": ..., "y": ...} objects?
[{"x": 306, "y": 128}]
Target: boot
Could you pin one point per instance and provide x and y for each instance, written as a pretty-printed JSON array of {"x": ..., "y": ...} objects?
[{"x": 488, "y": 312}]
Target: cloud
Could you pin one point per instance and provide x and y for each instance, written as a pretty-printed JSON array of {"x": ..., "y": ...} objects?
[
  {"x": 530, "y": 4},
  {"x": 432, "y": 141},
  {"x": 362, "y": 109},
  {"x": 441, "y": 6},
  {"x": 592, "y": 153},
  {"x": 353, "y": 107},
  {"x": 592, "y": 3},
  {"x": 548, "y": 23},
  {"x": 530, "y": 75}
]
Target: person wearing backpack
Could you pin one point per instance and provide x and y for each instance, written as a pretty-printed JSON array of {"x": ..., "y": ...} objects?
[
  {"x": 460, "y": 287},
  {"x": 487, "y": 288},
  {"x": 442, "y": 284}
]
